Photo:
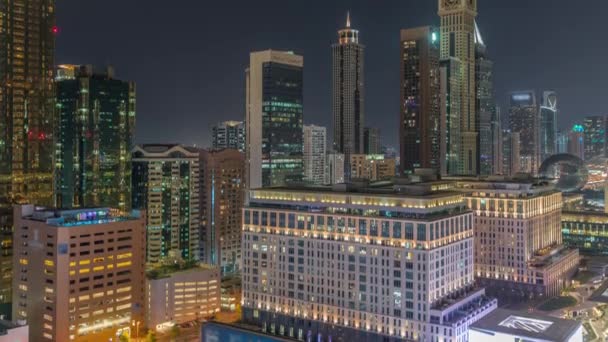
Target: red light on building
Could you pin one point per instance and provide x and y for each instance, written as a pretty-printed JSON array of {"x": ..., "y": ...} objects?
[{"x": 55, "y": 29}]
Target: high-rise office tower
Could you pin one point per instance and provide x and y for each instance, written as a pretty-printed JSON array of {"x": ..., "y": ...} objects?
[
  {"x": 229, "y": 134},
  {"x": 372, "y": 141},
  {"x": 274, "y": 114},
  {"x": 165, "y": 182},
  {"x": 315, "y": 150},
  {"x": 548, "y": 125},
  {"x": 348, "y": 94},
  {"x": 81, "y": 272},
  {"x": 524, "y": 119},
  {"x": 484, "y": 105},
  {"x": 96, "y": 121},
  {"x": 595, "y": 136},
  {"x": 510, "y": 153},
  {"x": 315, "y": 272},
  {"x": 496, "y": 141},
  {"x": 419, "y": 127},
  {"x": 222, "y": 199},
  {"x": 334, "y": 168},
  {"x": 576, "y": 141},
  {"x": 458, "y": 41},
  {"x": 27, "y": 45},
  {"x": 518, "y": 237},
  {"x": 450, "y": 123}
]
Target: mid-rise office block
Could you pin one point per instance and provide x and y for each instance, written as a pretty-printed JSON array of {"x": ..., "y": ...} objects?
[
  {"x": 518, "y": 238},
  {"x": 586, "y": 231},
  {"x": 165, "y": 182},
  {"x": 595, "y": 136},
  {"x": 458, "y": 42},
  {"x": 229, "y": 134},
  {"x": 315, "y": 150},
  {"x": 372, "y": 141},
  {"x": 362, "y": 264},
  {"x": 27, "y": 53},
  {"x": 348, "y": 94},
  {"x": 372, "y": 167},
  {"x": 524, "y": 119},
  {"x": 548, "y": 125},
  {"x": 222, "y": 198},
  {"x": 419, "y": 125},
  {"x": 96, "y": 118},
  {"x": 274, "y": 118},
  {"x": 177, "y": 294},
  {"x": 81, "y": 272},
  {"x": 334, "y": 168},
  {"x": 451, "y": 162}
]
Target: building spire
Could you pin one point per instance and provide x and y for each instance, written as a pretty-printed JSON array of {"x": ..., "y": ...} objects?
[{"x": 347, "y": 19}]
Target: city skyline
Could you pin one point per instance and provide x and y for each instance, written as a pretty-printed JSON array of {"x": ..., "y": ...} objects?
[{"x": 212, "y": 94}]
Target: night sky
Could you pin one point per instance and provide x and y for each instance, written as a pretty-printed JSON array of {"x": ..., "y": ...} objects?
[{"x": 188, "y": 56}]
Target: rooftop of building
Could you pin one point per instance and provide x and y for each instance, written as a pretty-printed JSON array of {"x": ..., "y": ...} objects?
[
  {"x": 77, "y": 217},
  {"x": 167, "y": 270},
  {"x": 534, "y": 326},
  {"x": 6, "y": 326},
  {"x": 598, "y": 217},
  {"x": 164, "y": 150},
  {"x": 550, "y": 256}
]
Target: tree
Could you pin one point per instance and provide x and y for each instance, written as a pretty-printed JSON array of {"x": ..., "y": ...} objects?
[
  {"x": 175, "y": 331},
  {"x": 151, "y": 337},
  {"x": 123, "y": 338}
]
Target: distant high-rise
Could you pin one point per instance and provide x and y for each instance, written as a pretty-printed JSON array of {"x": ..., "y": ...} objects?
[
  {"x": 315, "y": 149},
  {"x": 450, "y": 125},
  {"x": 373, "y": 167},
  {"x": 458, "y": 41},
  {"x": 562, "y": 142},
  {"x": 274, "y": 114},
  {"x": 548, "y": 125},
  {"x": 524, "y": 119},
  {"x": 595, "y": 136},
  {"x": 576, "y": 141},
  {"x": 419, "y": 126},
  {"x": 27, "y": 51},
  {"x": 229, "y": 134},
  {"x": 496, "y": 141},
  {"x": 348, "y": 94},
  {"x": 165, "y": 182},
  {"x": 510, "y": 153},
  {"x": 372, "y": 141},
  {"x": 334, "y": 170},
  {"x": 81, "y": 272},
  {"x": 96, "y": 121},
  {"x": 484, "y": 105},
  {"x": 222, "y": 199}
]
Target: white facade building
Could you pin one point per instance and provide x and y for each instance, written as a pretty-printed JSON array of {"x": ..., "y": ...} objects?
[
  {"x": 315, "y": 150},
  {"x": 360, "y": 264},
  {"x": 334, "y": 173}
]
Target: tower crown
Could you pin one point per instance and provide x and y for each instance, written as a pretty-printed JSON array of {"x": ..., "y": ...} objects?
[{"x": 348, "y": 35}]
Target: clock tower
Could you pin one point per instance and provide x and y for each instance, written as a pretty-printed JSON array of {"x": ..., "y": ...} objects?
[{"x": 458, "y": 42}]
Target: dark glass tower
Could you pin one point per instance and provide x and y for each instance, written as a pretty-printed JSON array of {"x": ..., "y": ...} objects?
[
  {"x": 348, "y": 94},
  {"x": 96, "y": 119},
  {"x": 484, "y": 105},
  {"x": 419, "y": 127},
  {"x": 274, "y": 133},
  {"x": 524, "y": 119},
  {"x": 595, "y": 136},
  {"x": 27, "y": 45}
]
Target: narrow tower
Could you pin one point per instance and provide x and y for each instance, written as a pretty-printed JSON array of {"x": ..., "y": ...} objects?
[{"x": 348, "y": 94}]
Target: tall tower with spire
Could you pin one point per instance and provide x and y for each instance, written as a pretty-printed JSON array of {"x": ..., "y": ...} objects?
[
  {"x": 458, "y": 42},
  {"x": 348, "y": 94}
]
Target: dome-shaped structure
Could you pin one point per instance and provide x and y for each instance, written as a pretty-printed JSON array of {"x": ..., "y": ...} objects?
[{"x": 568, "y": 172}]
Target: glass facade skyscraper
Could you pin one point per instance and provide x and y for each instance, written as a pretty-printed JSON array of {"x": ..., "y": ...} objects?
[
  {"x": 274, "y": 107},
  {"x": 524, "y": 119},
  {"x": 419, "y": 125},
  {"x": 595, "y": 136},
  {"x": 96, "y": 119},
  {"x": 548, "y": 125},
  {"x": 484, "y": 105},
  {"x": 27, "y": 45}
]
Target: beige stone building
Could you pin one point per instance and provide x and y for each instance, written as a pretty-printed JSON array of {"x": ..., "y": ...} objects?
[
  {"x": 518, "y": 237},
  {"x": 373, "y": 167},
  {"x": 176, "y": 295},
  {"x": 79, "y": 272}
]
